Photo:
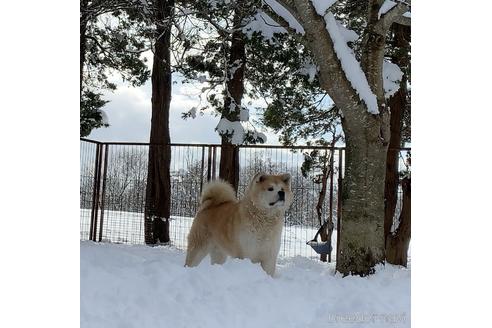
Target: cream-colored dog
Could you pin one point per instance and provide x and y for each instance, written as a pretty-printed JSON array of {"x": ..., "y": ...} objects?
[{"x": 249, "y": 228}]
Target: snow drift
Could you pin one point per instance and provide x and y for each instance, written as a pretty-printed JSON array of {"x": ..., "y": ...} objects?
[{"x": 140, "y": 286}]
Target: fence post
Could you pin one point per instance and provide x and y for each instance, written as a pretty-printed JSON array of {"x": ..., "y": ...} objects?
[
  {"x": 214, "y": 161},
  {"x": 209, "y": 163},
  {"x": 103, "y": 192},
  {"x": 339, "y": 200},
  {"x": 94, "y": 194},
  {"x": 332, "y": 153},
  {"x": 201, "y": 169}
]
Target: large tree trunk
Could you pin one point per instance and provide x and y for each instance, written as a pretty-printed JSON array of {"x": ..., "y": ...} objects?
[
  {"x": 398, "y": 242},
  {"x": 229, "y": 156},
  {"x": 158, "y": 193},
  {"x": 361, "y": 244}
]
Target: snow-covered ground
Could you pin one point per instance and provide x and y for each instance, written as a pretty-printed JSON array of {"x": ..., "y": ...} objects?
[{"x": 140, "y": 286}]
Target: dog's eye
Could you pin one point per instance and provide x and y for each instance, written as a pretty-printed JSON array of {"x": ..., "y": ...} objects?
[{"x": 270, "y": 189}]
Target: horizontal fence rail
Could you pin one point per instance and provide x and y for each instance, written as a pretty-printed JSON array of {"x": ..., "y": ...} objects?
[{"x": 113, "y": 177}]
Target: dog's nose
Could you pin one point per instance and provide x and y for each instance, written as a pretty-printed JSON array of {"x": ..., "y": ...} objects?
[{"x": 281, "y": 195}]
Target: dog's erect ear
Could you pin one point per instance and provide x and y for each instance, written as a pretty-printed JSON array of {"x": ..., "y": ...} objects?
[
  {"x": 259, "y": 177},
  {"x": 286, "y": 178}
]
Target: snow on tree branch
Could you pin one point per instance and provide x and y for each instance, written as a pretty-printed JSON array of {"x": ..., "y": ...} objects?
[
  {"x": 392, "y": 75},
  {"x": 287, "y": 15},
  {"x": 238, "y": 132},
  {"x": 385, "y": 7},
  {"x": 350, "y": 65},
  {"x": 392, "y": 12},
  {"x": 263, "y": 24},
  {"x": 322, "y": 6}
]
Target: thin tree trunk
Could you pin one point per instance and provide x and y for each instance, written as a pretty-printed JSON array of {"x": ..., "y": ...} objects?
[
  {"x": 229, "y": 163},
  {"x": 396, "y": 103},
  {"x": 319, "y": 210},
  {"x": 397, "y": 243},
  {"x": 229, "y": 156},
  {"x": 83, "y": 38},
  {"x": 158, "y": 193}
]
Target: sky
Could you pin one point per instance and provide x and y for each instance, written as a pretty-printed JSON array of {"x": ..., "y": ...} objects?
[{"x": 129, "y": 115}]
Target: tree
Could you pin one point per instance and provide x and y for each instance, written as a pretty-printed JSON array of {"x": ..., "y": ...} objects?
[
  {"x": 397, "y": 247},
  {"x": 158, "y": 194},
  {"x": 112, "y": 39},
  {"x": 319, "y": 165},
  {"x": 225, "y": 60},
  {"x": 356, "y": 87}
]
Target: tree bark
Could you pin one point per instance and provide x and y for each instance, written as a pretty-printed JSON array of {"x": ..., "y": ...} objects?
[
  {"x": 229, "y": 156},
  {"x": 325, "y": 233},
  {"x": 361, "y": 244},
  {"x": 396, "y": 103},
  {"x": 397, "y": 243},
  {"x": 158, "y": 193},
  {"x": 83, "y": 38}
]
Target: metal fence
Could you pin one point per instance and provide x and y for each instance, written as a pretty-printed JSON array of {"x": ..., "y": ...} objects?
[{"x": 113, "y": 183}]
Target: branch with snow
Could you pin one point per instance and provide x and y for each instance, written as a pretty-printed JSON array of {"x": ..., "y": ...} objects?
[
  {"x": 350, "y": 65},
  {"x": 392, "y": 12},
  {"x": 286, "y": 16},
  {"x": 238, "y": 132},
  {"x": 322, "y": 6}
]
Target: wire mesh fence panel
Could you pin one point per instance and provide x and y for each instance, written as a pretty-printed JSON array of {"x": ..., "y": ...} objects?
[
  {"x": 188, "y": 173},
  {"x": 123, "y": 197},
  {"x": 118, "y": 213},
  {"x": 87, "y": 172},
  {"x": 302, "y": 220}
]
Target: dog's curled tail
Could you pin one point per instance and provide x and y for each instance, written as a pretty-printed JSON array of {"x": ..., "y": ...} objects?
[{"x": 215, "y": 193}]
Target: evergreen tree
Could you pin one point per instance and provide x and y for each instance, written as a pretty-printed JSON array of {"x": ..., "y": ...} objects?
[{"x": 113, "y": 35}]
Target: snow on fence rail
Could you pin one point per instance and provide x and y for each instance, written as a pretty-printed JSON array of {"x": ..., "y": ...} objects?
[{"x": 113, "y": 181}]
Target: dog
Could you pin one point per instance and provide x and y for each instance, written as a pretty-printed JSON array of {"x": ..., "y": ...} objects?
[{"x": 247, "y": 228}]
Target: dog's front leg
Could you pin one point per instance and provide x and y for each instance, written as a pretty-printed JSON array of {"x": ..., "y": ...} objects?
[{"x": 269, "y": 266}]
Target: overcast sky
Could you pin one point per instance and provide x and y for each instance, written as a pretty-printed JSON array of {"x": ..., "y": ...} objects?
[{"x": 129, "y": 114}]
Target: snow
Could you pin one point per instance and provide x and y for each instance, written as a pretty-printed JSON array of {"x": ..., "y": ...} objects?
[
  {"x": 392, "y": 75},
  {"x": 104, "y": 116},
  {"x": 192, "y": 112},
  {"x": 202, "y": 79},
  {"x": 263, "y": 24},
  {"x": 406, "y": 14},
  {"x": 286, "y": 15},
  {"x": 321, "y": 6},
  {"x": 238, "y": 130},
  {"x": 385, "y": 7},
  {"x": 141, "y": 286},
  {"x": 348, "y": 35},
  {"x": 234, "y": 128},
  {"x": 350, "y": 65},
  {"x": 309, "y": 69},
  {"x": 244, "y": 115}
]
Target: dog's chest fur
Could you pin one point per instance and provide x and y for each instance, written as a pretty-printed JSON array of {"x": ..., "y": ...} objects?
[{"x": 261, "y": 233}]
